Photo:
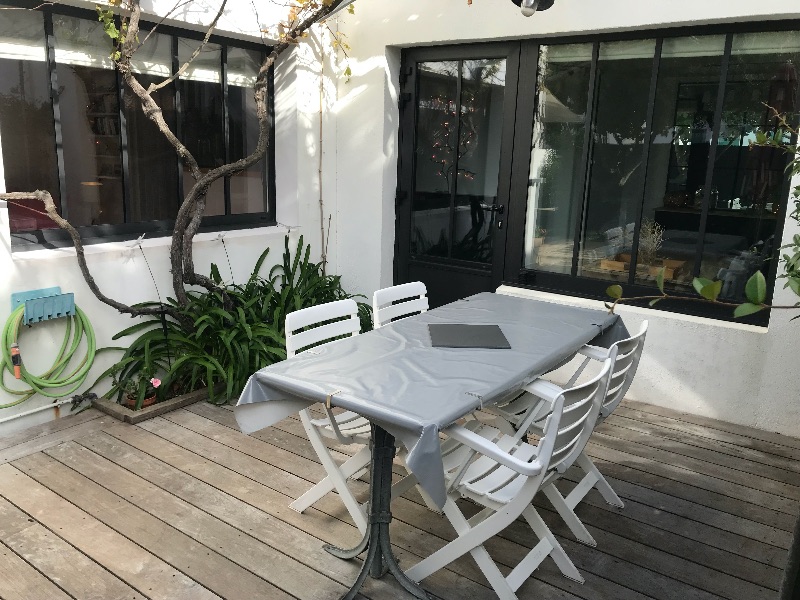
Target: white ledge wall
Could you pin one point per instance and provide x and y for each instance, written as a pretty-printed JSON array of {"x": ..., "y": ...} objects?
[{"x": 738, "y": 374}]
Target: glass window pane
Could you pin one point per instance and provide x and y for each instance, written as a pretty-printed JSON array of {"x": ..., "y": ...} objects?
[
  {"x": 616, "y": 177},
  {"x": 201, "y": 105},
  {"x": 480, "y": 130},
  {"x": 554, "y": 192},
  {"x": 27, "y": 135},
  {"x": 435, "y": 161},
  {"x": 152, "y": 162},
  {"x": 749, "y": 183},
  {"x": 683, "y": 119},
  {"x": 247, "y": 187},
  {"x": 90, "y": 122}
]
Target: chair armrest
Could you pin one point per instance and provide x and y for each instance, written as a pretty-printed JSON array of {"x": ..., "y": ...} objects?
[
  {"x": 544, "y": 389},
  {"x": 594, "y": 352},
  {"x": 492, "y": 450}
]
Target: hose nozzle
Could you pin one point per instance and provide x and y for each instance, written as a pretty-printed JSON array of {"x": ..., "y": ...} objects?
[{"x": 16, "y": 360}]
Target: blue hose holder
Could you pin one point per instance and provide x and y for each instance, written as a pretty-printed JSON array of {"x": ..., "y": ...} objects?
[{"x": 43, "y": 305}]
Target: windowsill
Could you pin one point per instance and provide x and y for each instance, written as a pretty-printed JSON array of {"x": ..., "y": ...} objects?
[
  {"x": 627, "y": 308},
  {"x": 277, "y": 231}
]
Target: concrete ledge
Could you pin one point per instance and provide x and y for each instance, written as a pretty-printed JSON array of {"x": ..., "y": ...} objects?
[{"x": 137, "y": 416}]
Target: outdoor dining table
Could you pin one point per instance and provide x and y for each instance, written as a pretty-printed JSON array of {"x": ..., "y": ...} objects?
[{"x": 411, "y": 390}]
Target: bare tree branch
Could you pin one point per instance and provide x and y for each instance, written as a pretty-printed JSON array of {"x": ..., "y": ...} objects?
[
  {"x": 154, "y": 87},
  {"x": 52, "y": 212}
]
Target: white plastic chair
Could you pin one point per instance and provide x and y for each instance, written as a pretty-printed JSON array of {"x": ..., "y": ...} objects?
[
  {"x": 628, "y": 353},
  {"x": 502, "y": 473},
  {"x": 311, "y": 327},
  {"x": 399, "y": 301}
]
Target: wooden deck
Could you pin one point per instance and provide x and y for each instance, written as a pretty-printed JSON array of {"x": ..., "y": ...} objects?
[{"x": 186, "y": 507}]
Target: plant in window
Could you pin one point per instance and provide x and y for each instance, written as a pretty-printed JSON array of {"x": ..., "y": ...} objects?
[
  {"x": 784, "y": 136},
  {"x": 651, "y": 237}
]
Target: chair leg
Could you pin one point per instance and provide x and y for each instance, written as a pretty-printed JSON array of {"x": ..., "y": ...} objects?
[
  {"x": 569, "y": 517},
  {"x": 560, "y": 557},
  {"x": 466, "y": 542},
  {"x": 350, "y": 469},
  {"x": 605, "y": 489},
  {"x": 336, "y": 476}
]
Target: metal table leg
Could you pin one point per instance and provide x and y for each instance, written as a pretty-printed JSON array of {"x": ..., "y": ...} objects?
[{"x": 380, "y": 558}]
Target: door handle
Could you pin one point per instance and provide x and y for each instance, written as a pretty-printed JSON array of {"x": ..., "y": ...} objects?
[{"x": 498, "y": 208}]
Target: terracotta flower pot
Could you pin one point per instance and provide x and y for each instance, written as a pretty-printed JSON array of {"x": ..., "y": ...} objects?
[{"x": 130, "y": 402}]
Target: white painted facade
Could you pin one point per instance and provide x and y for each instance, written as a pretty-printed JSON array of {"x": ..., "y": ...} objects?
[{"x": 727, "y": 371}]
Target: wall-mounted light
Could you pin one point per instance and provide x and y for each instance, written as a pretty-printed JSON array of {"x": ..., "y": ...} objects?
[{"x": 529, "y": 7}]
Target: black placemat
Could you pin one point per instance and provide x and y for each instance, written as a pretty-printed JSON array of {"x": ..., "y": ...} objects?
[{"x": 456, "y": 335}]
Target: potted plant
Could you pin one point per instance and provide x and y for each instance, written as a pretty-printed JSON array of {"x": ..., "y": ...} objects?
[{"x": 139, "y": 392}]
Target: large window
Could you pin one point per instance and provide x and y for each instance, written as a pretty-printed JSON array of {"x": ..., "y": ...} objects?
[
  {"x": 70, "y": 126},
  {"x": 641, "y": 161}
]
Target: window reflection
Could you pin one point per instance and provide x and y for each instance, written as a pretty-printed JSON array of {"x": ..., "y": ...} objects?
[
  {"x": 90, "y": 122},
  {"x": 554, "y": 192},
  {"x": 26, "y": 118},
  {"x": 617, "y": 175},
  {"x": 749, "y": 182},
  {"x": 202, "y": 113},
  {"x": 247, "y": 187},
  {"x": 436, "y": 157},
  {"x": 683, "y": 120},
  {"x": 153, "y": 164}
]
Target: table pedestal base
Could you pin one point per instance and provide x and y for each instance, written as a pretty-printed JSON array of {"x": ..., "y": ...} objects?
[{"x": 380, "y": 559}]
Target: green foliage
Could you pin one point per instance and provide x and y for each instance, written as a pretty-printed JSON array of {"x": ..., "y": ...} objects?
[
  {"x": 224, "y": 336},
  {"x": 614, "y": 291}
]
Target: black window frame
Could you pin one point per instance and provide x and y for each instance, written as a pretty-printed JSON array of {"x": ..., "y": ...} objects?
[
  {"x": 515, "y": 274},
  {"x": 58, "y": 238}
]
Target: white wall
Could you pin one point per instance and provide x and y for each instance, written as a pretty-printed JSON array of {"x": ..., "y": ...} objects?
[{"x": 728, "y": 371}]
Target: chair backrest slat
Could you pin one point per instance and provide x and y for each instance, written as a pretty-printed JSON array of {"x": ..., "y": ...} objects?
[
  {"x": 399, "y": 301},
  {"x": 629, "y": 352},
  {"x": 316, "y": 325},
  {"x": 581, "y": 408}
]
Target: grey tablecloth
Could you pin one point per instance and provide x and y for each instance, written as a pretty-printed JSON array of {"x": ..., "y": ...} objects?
[{"x": 394, "y": 377}]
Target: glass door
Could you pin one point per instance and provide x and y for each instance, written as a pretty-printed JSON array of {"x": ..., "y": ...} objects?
[{"x": 456, "y": 135}]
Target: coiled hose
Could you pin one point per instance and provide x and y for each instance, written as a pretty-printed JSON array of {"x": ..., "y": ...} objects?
[{"x": 52, "y": 382}]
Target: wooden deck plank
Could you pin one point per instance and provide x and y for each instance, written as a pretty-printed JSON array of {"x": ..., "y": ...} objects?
[
  {"x": 409, "y": 540},
  {"x": 783, "y": 457},
  {"x": 238, "y": 546},
  {"x": 213, "y": 570},
  {"x": 20, "y": 581},
  {"x": 682, "y": 469},
  {"x": 38, "y": 431},
  {"x": 255, "y": 447},
  {"x": 296, "y": 543},
  {"x": 689, "y": 520},
  {"x": 703, "y": 461},
  {"x": 686, "y": 486},
  {"x": 260, "y": 496},
  {"x": 655, "y": 513},
  {"x": 40, "y": 442},
  {"x": 70, "y": 569},
  {"x": 715, "y": 424},
  {"x": 664, "y": 569},
  {"x": 128, "y": 561}
]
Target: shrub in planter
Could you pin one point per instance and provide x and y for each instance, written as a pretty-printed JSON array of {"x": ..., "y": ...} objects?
[{"x": 223, "y": 336}]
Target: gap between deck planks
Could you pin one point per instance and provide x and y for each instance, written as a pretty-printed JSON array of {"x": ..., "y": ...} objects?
[{"x": 755, "y": 572}]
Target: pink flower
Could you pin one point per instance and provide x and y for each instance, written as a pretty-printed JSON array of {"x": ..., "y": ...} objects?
[{"x": 155, "y": 382}]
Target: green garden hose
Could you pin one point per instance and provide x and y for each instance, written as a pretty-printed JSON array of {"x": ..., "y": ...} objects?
[{"x": 50, "y": 383}]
